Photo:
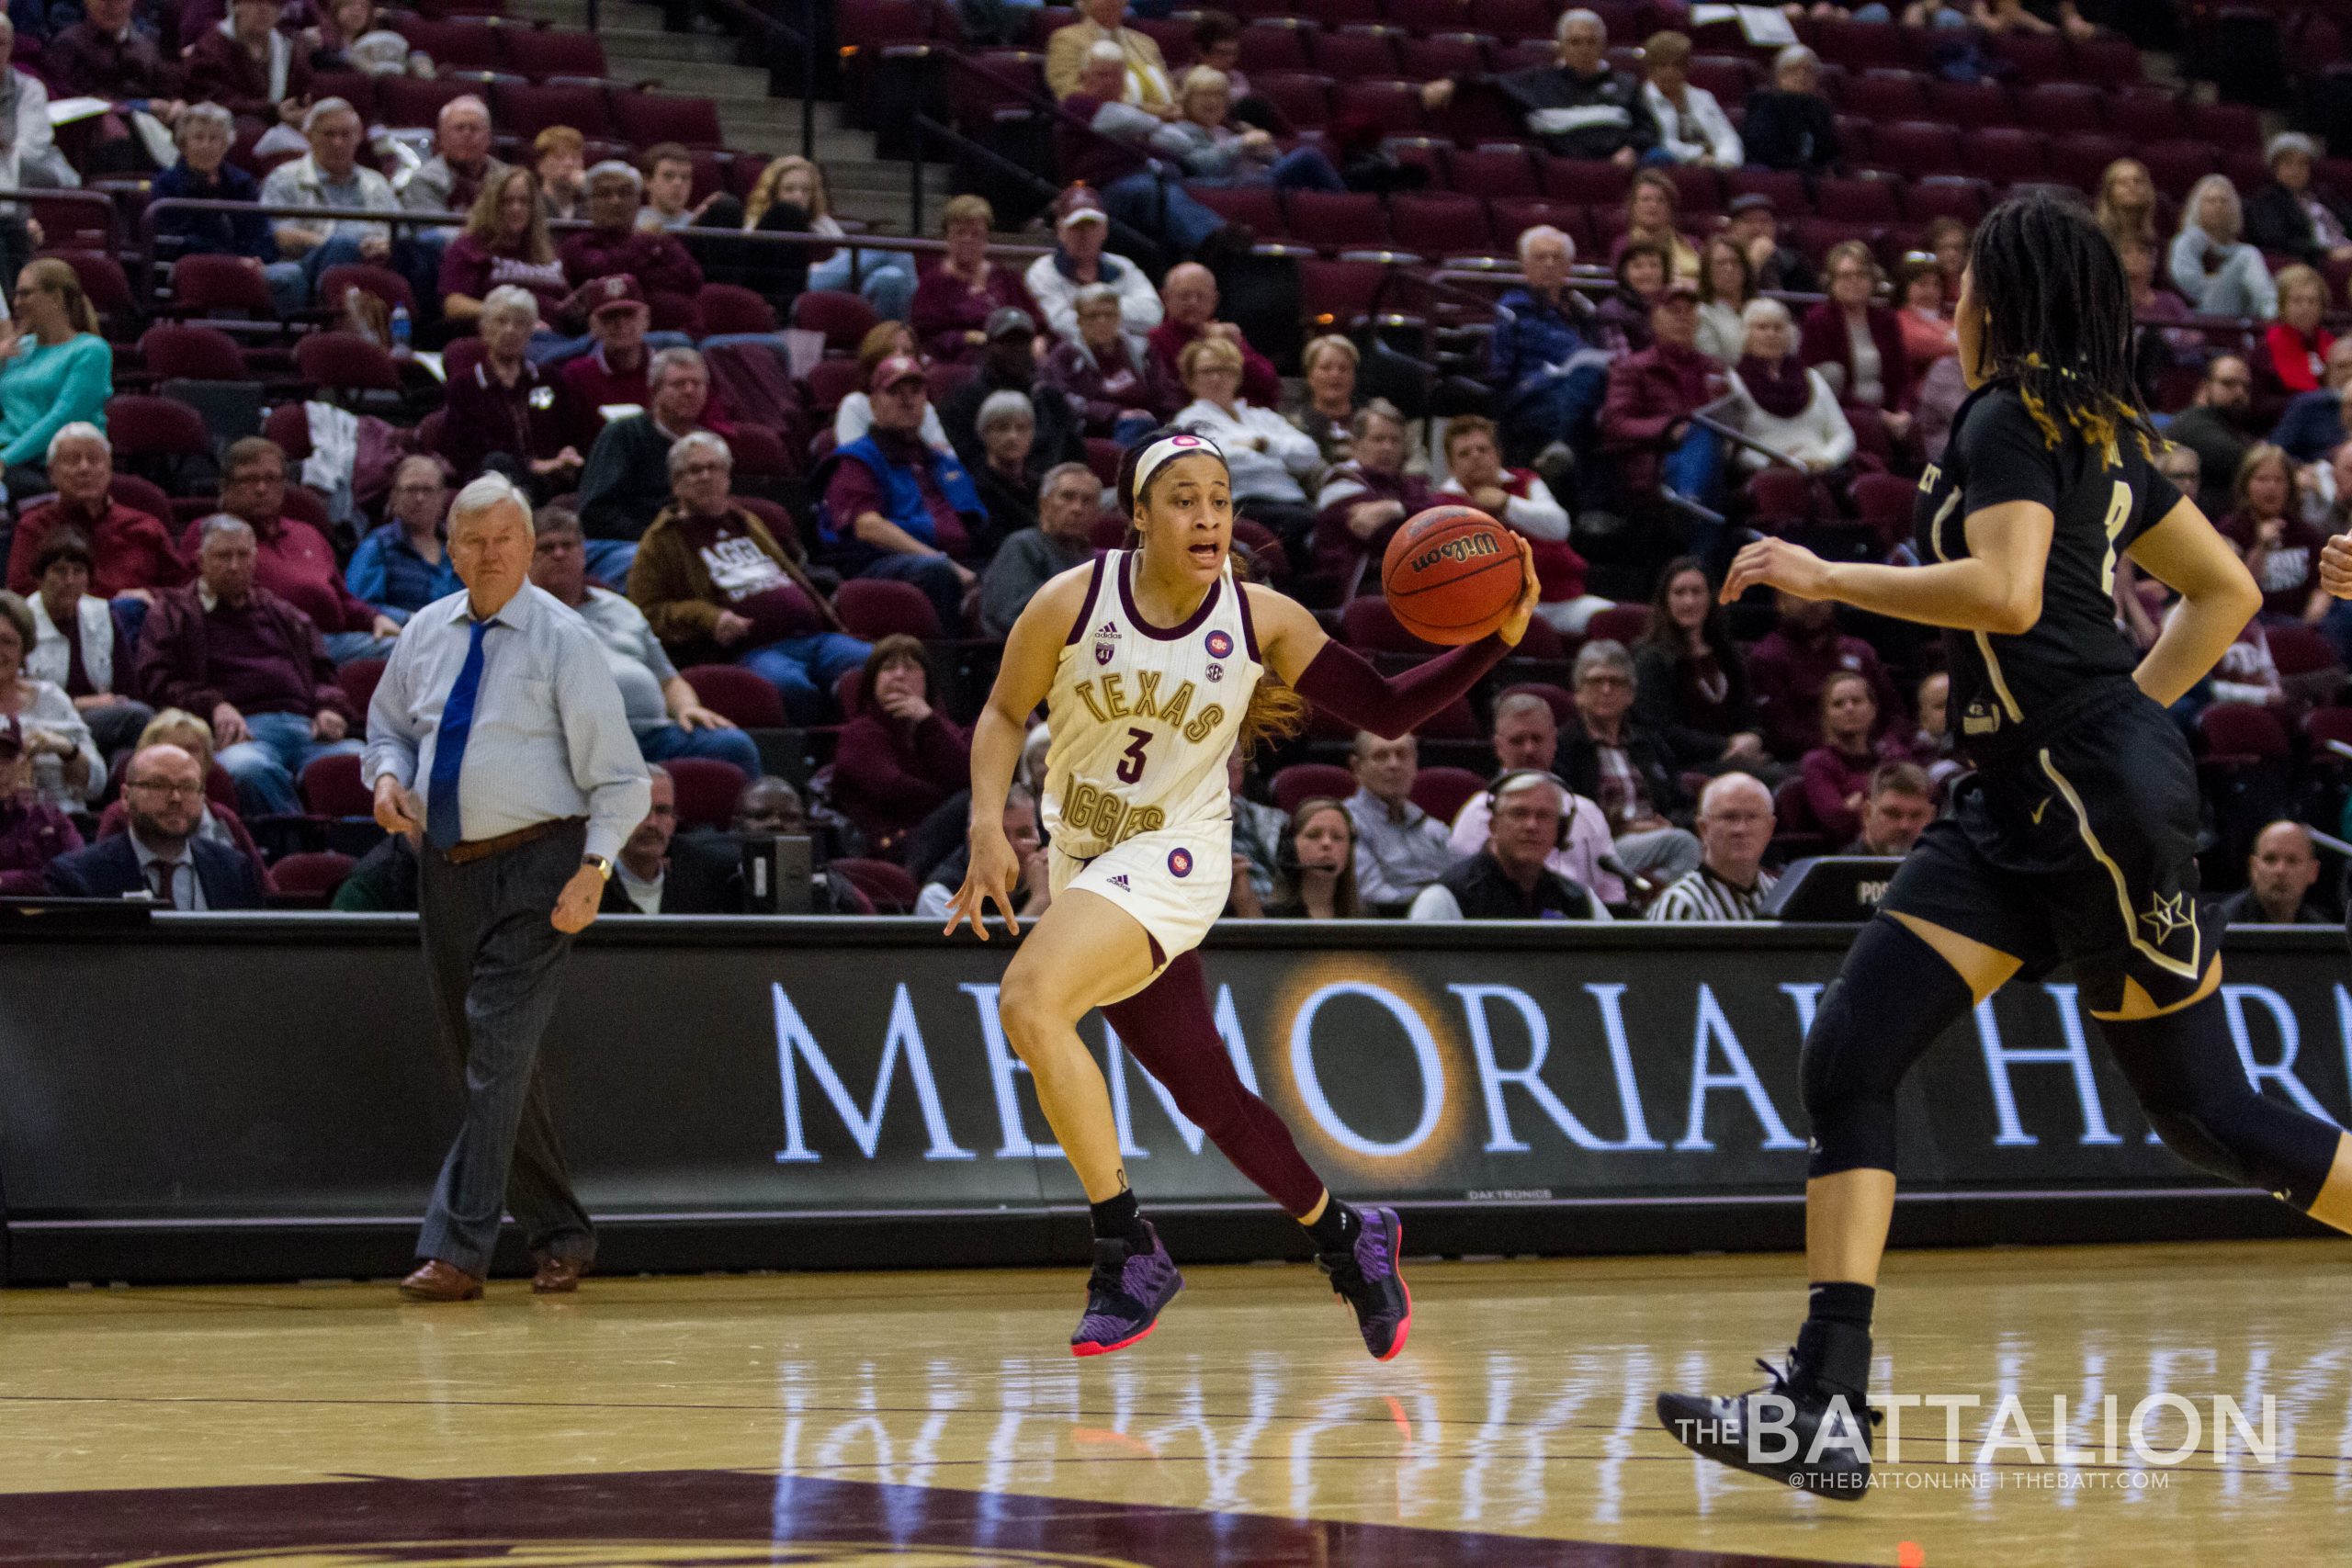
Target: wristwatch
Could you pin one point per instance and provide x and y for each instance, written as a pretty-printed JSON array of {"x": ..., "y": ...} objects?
[{"x": 604, "y": 867}]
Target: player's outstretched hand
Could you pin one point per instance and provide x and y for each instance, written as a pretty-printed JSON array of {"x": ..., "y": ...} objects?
[
  {"x": 1776, "y": 563},
  {"x": 1530, "y": 592},
  {"x": 2336, "y": 566},
  {"x": 989, "y": 879}
]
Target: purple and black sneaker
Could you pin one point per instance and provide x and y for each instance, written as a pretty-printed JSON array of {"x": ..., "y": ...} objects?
[
  {"x": 1125, "y": 1294},
  {"x": 1371, "y": 1278}
]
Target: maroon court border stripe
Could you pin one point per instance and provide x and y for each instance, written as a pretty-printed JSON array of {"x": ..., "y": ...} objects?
[{"x": 101, "y": 1530}]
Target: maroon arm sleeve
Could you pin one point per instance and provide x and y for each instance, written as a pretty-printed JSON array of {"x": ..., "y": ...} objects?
[{"x": 1341, "y": 682}]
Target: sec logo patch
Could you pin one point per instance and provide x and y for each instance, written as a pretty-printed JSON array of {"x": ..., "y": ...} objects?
[
  {"x": 1180, "y": 862},
  {"x": 1220, "y": 645}
]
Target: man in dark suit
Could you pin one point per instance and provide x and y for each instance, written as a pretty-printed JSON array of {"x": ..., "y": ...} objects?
[
  {"x": 648, "y": 881},
  {"x": 161, "y": 855}
]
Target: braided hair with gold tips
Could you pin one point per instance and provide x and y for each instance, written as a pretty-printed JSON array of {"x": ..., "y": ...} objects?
[{"x": 2058, "y": 322}]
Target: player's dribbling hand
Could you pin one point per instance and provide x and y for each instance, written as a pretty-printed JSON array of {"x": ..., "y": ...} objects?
[
  {"x": 1776, "y": 563},
  {"x": 2336, "y": 566},
  {"x": 1530, "y": 592},
  {"x": 988, "y": 879}
]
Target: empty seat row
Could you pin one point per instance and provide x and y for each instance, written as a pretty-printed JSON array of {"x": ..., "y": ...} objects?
[{"x": 523, "y": 109}]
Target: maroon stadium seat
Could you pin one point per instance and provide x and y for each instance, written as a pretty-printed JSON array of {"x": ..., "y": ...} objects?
[
  {"x": 1728, "y": 76},
  {"x": 1973, "y": 104},
  {"x": 1395, "y": 105},
  {"x": 2300, "y": 650},
  {"x": 1302, "y": 97},
  {"x": 2107, "y": 57},
  {"x": 1372, "y": 628},
  {"x": 1259, "y": 207},
  {"x": 2146, "y": 116},
  {"x": 197, "y": 353},
  {"x": 1439, "y": 223},
  {"x": 740, "y": 695},
  {"x": 2035, "y": 57},
  {"x": 1104, "y": 456},
  {"x": 708, "y": 789},
  {"x": 1885, "y": 504},
  {"x": 830, "y": 380},
  {"x": 1449, "y": 54},
  {"x": 381, "y": 281},
  {"x": 1949, "y": 195},
  {"x": 873, "y": 607},
  {"x": 645, "y": 117},
  {"x": 842, "y": 317},
  {"x": 2238, "y": 732},
  {"x": 1425, "y": 18},
  {"x": 1915, "y": 147},
  {"x": 417, "y": 100},
  {"x": 760, "y": 451},
  {"x": 347, "y": 361},
  {"x": 542, "y": 52},
  {"x": 889, "y": 888},
  {"x": 1857, "y": 200},
  {"x": 2233, "y": 126},
  {"x": 1353, "y": 54},
  {"x": 1619, "y": 623},
  {"x": 1888, "y": 93},
  {"x": 2006, "y": 155},
  {"x": 332, "y": 787},
  {"x": 1592, "y": 182},
  {"x": 1337, "y": 220},
  {"x": 1700, "y": 190},
  {"x": 1513, "y": 19},
  {"x": 102, "y": 279},
  {"x": 211, "y": 284},
  {"x": 1492, "y": 171},
  {"x": 358, "y": 679},
  {"x": 155, "y": 427},
  {"x": 310, "y": 879},
  {"x": 2176, "y": 165},
  {"x": 2323, "y": 725},
  {"x": 1302, "y": 782},
  {"x": 1858, "y": 46},
  {"x": 523, "y": 109},
  {"x": 1790, "y": 196},
  {"x": 1276, "y": 45},
  {"x": 2059, "y": 108},
  {"x": 728, "y": 308},
  {"x": 2079, "y": 158},
  {"x": 1444, "y": 792},
  {"x": 1779, "y": 497}
]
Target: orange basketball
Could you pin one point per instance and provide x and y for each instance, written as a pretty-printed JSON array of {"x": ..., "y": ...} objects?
[{"x": 1451, "y": 574}]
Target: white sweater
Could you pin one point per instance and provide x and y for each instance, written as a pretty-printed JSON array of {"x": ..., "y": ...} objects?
[
  {"x": 1056, "y": 296},
  {"x": 1817, "y": 435},
  {"x": 1273, "y": 466},
  {"x": 1700, "y": 131}
]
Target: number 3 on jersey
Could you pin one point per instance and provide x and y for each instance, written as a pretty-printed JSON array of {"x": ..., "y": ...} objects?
[
  {"x": 1131, "y": 761},
  {"x": 2118, "y": 517}
]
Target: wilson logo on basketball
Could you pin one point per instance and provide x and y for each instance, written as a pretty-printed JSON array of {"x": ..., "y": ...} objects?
[{"x": 1467, "y": 547}]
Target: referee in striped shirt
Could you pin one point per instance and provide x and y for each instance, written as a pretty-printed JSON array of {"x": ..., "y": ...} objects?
[{"x": 1734, "y": 828}]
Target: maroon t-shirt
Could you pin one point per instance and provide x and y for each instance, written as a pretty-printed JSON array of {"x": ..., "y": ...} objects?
[{"x": 2290, "y": 570}]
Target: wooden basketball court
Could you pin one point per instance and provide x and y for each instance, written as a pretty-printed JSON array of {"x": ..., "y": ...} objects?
[{"x": 935, "y": 1420}]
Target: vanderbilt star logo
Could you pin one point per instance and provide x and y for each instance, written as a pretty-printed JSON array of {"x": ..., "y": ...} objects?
[{"x": 2166, "y": 916}]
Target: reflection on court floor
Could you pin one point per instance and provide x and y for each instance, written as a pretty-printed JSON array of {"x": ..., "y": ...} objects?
[{"x": 934, "y": 1421}]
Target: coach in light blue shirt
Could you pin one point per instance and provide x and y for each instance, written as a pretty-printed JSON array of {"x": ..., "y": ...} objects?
[{"x": 498, "y": 738}]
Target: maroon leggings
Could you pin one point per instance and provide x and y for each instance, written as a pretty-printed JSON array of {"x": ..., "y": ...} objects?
[{"x": 1168, "y": 1028}]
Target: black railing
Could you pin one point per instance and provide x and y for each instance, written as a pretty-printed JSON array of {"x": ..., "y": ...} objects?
[{"x": 778, "y": 43}]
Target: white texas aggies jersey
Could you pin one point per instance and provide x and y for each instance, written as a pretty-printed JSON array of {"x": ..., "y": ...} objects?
[{"x": 1144, "y": 717}]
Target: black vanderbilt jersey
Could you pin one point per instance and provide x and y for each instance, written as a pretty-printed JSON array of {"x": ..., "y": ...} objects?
[{"x": 2102, "y": 502}]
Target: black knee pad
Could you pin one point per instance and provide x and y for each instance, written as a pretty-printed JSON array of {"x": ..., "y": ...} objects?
[
  {"x": 2185, "y": 1070},
  {"x": 1890, "y": 1001}
]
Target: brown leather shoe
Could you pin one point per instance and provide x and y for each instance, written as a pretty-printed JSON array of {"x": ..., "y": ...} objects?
[
  {"x": 557, "y": 1276},
  {"x": 437, "y": 1281}
]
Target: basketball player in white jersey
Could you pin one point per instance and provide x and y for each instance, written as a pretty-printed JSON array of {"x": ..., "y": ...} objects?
[{"x": 1155, "y": 662}]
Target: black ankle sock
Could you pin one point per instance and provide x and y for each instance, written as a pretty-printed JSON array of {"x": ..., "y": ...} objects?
[
  {"x": 1842, "y": 1301},
  {"x": 1120, "y": 1219},
  {"x": 1336, "y": 1228}
]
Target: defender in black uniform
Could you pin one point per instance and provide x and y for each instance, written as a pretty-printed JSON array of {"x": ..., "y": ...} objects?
[{"x": 2072, "y": 839}]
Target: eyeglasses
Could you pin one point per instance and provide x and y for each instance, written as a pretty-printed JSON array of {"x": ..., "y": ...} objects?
[
  {"x": 1604, "y": 681},
  {"x": 178, "y": 791}
]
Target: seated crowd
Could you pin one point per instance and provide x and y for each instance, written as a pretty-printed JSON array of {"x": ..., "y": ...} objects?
[{"x": 1650, "y": 755}]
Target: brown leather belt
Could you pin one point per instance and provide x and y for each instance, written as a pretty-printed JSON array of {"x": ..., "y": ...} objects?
[{"x": 472, "y": 850}]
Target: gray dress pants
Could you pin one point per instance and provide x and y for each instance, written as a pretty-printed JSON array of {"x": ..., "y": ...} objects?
[{"x": 492, "y": 963}]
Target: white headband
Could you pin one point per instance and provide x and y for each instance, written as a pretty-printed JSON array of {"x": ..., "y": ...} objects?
[{"x": 1166, "y": 450}]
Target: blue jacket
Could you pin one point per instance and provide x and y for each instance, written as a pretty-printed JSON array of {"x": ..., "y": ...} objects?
[
  {"x": 2312, "y": 427},
  {"x": 214, "y": 233},
  {"x": 903, "y": 494},
  {"x": 1531, "y": 336},
  {"x": 109, "y": 869},
  {"x": 386, "y": 572}
]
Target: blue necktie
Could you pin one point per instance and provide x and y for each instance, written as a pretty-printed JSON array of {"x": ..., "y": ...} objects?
[{"x": 441, "y": 828}]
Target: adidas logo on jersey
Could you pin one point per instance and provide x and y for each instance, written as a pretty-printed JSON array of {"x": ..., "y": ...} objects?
[
  {"x": 1107, "y": 642},
  {"x": 1120, "y": 881}
]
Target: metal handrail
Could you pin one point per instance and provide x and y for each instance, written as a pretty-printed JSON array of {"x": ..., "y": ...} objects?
[{"x": 60, "y": 197}]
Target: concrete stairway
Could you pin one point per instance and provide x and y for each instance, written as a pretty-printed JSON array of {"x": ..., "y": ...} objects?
[{"x": 706, "y": 62}]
